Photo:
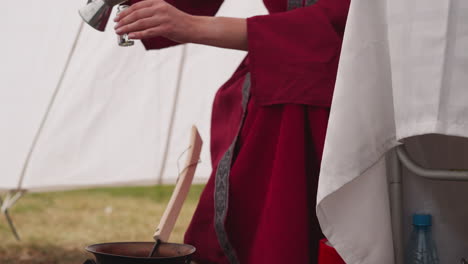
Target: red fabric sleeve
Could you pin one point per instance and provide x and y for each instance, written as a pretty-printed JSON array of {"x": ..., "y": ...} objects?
[
  {"x": 193, "y": 7},
  {"x": 294, "y": 55}
]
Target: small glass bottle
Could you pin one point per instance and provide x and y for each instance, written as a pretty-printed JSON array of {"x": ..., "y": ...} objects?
[
  {"x": 123, "y": 40},
  {"x": 421, "y": 249}
]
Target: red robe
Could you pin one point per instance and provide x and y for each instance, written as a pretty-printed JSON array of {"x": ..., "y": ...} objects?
[{"x": 293, "y": 59}]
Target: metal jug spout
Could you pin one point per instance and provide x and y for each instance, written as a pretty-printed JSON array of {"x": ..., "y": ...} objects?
[{"x": 97, "y": 12}]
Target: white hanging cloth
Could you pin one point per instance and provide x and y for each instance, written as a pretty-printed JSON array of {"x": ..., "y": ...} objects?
[{"x": 403, "y": 73}]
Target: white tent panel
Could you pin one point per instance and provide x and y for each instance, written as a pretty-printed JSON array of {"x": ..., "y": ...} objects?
[
  {"x": 110, "y": 120},
  {"x": 36, "y": 43},
  {"x": 103, "y": 127}
]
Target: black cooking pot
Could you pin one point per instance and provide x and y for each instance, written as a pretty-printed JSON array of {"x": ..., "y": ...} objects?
[{"x": 137, "y": 253}]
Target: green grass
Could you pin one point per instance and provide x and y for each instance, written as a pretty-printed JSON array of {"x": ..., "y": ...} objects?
[{"x": 55, "y": 227}]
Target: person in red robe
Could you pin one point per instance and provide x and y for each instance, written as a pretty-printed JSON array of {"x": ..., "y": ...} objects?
[{"x": 268, "y": 122}]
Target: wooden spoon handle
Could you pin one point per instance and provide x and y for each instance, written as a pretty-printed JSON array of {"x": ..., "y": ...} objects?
[{"x": 181, "y": 190}]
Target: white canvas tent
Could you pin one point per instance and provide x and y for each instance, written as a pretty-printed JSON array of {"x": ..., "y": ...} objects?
[
  {"x": 110, "y": 118},
  {"x": 77, "y": 110}
]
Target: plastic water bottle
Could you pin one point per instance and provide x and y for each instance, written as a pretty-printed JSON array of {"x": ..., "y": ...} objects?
[{"x": 421, "y": 249}]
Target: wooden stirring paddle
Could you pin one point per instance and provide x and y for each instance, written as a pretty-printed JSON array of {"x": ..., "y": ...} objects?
[{"x": 169, "y": 218}]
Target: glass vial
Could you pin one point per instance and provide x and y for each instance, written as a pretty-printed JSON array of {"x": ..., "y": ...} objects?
[{"x": 123, "y": 40}]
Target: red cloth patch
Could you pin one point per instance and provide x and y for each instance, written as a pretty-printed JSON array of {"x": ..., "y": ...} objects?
[{"x": 328, "y": 254}]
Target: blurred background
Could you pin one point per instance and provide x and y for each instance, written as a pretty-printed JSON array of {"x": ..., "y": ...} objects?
[
  {"x": 55, "y": 227},
  {"x": 91, "y": 133}
]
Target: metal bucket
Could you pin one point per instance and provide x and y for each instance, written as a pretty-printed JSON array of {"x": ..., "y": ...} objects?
[{"x": 137, "y": 253}]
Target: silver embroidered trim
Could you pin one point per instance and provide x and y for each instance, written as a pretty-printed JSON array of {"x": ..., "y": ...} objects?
[
  {"x": 293, "y": 4},
  {"x": 310, "y": 2},
  {"x": 221, "y": 193}
]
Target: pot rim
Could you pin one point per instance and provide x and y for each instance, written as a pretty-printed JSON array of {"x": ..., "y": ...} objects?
[{"x": 88, "y": 248}]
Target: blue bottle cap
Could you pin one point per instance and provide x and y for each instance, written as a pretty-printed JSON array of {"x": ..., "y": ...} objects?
[{"x": 422, "y": 220}]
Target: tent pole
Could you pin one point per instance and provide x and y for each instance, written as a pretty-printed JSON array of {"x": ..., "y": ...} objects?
[
  {"x": 173, "y": 114},
  {"x": 12, "y": 226},
  {"x": 11, "y": 198},
  {"x": 48, "y": 110},
  {"x": 5, "y": 206},
  {"x": 18, "y": 193}
]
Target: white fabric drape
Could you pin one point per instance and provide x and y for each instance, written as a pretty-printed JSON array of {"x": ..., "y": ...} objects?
[{"x": 403, "y": 73}]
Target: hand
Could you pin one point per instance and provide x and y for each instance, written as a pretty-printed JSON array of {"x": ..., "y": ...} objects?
[{"x": 155, "y": 18}]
